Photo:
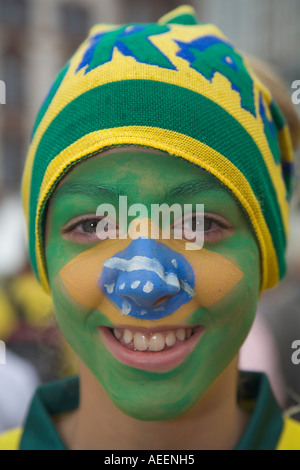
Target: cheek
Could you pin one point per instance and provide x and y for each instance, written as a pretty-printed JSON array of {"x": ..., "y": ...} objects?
[
  {"x": 227, "y": 291},
  {"x": 215, "y": 275},
  {"x": 73, "y": 278},
  {"x": 233, "y": 315},
  {"x": 79, "y": 277}
]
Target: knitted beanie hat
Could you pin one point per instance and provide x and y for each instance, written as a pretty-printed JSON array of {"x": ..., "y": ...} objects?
[{"x": 177, "y": 86}]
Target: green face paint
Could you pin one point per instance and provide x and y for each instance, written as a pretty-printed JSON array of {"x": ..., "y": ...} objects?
[{"x": 73, "y": 255}]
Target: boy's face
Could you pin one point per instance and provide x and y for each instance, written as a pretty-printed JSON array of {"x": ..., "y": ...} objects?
[{"x": 154, "y": 321}]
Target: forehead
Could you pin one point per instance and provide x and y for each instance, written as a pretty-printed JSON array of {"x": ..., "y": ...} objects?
[{"x": 143, "y": 170}]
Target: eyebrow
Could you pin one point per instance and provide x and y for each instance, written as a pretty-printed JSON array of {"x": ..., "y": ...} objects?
[
  {"x": 112, "y": 192},
  {"x": 192, "y": 188},
  {"x": 90, "y": 190}
]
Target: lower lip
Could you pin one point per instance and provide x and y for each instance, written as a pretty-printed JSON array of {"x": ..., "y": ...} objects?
[{"x": 160, "y": 361}]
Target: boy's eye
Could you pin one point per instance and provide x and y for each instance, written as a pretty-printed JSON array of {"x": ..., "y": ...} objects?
[
  {"x": 89, "y": 226},
  {"x": 193, "y": 224},
  {"x": 214, "y": 227},
  {"x": 88, "y": 229}
]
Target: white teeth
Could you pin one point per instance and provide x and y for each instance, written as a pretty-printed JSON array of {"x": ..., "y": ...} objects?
[
  {"x": 180, "y": 334},
  {"x": 151, "y": 342},
  {"x": 170, "y": 338},
  {"x": 117, "y": 333},
  {"x": 156, "y": 342},
  {"x": 140, "y": 342},
  {"x": 127, "y": 336}
]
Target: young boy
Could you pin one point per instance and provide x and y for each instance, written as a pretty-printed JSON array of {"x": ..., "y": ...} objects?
[{"x": 156, "y": 310}]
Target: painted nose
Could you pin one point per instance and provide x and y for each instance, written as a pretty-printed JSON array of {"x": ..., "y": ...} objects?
[
  {"x": 147, "y": 279},
  {"x": 148, "y": 285}
]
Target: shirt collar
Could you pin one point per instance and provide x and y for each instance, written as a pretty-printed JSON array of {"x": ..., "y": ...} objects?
[
  {"x": 50, "y": 399},
  {"x": 266, "y": 422}
]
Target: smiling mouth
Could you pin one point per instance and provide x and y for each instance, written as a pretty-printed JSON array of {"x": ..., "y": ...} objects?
[
  {"x": 143, "y": 340},
  {"x": 157, "y": 350}
]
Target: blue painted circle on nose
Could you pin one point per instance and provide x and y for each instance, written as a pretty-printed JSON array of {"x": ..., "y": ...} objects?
[{"x": 147, "y": 280}]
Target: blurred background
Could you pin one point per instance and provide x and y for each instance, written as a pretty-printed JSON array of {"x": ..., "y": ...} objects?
[{"x": 36, "y": 39}]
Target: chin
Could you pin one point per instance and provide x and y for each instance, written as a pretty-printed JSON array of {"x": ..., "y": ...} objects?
[{"x": 146, "y": 411}]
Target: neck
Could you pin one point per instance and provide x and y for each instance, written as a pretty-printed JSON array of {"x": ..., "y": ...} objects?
[{"x": 216, "y": 422}]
